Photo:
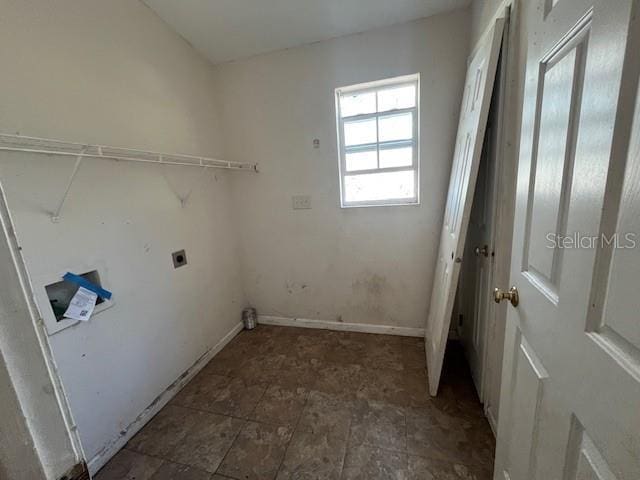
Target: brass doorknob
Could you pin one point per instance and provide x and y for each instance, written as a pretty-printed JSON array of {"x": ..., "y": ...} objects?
[
  {"x": 482, "y": 251},
  {"x": 511, "y": 295}
]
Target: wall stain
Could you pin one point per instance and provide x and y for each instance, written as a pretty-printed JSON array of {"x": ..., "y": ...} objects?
[
  {"x": 293, "y": 287},
  {"x": 372, "y": 284},
  {"x": 370, "y": 300}
]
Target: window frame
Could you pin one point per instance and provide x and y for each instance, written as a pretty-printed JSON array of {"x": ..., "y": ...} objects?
[{"x": 414, "y": 142}]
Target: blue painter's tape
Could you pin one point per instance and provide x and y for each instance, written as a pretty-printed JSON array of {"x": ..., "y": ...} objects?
[{"x": 83, "y": 282}]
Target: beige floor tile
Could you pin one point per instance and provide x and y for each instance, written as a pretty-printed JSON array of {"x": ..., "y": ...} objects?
[
  {"x": 206, "y": 444},
  {"x": 313, "y": 456},
  {"x": 128, "y": 465},
  {"x": 326, "y": 413},
  {"x": 172, "y": 471},
  {"x": 166, "y": 430},
  {"x": 370, "y": 463},
  {"x": 257, "y": 452},
  {"x": 379, "y": 424},
  {"x": 280, "y": 405},
  {"x": 426, "y": 469}
]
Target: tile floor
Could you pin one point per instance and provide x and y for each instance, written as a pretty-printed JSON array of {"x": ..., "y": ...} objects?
[{"x": 290, "y": 403}]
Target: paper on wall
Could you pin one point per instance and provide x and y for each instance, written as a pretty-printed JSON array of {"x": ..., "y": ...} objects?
[{"x": 82, "y": 305}]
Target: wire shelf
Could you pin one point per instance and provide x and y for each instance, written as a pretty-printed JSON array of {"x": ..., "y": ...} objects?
[{"x": 34, "y": 145}]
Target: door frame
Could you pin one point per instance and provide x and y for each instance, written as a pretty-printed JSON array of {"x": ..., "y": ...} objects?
[
  {"x": 41, "y": 406},
  {"x": 506, "y": 160},
  {"x": 503, "y": 207}
]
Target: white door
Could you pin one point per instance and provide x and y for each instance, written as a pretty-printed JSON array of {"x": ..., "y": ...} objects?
[
  {"x": 570, "y": 405},
  {"x": 475, "y": 283},
  {"x": 473, "y": 116}
]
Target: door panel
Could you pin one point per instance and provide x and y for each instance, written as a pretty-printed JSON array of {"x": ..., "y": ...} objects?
[
  {"x": 584, "y": 460},
  {"x": 571, "y": 371},
  {"x": 560, "y": 82},
  {"x": 614, "y": 319},
  {"x": 475, "y": 285},
  {"x": 527, "y": 398},
  {"x": 471, "y": 126}
]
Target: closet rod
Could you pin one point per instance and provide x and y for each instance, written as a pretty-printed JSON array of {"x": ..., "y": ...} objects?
[{"x": 34, "y": 145}]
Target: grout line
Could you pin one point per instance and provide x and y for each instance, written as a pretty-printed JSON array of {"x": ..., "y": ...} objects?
[
  {"x": 195, "y": 409},
  {"x": 229, "y": 449},
  {"x": 347, "y": 440},
  {"x": 164, "y": 460},
  {"x": 264, "y": 393},
  {"x": 246, "y": 421},
  {"x": 293, "y": 430},
  {"x": 347, "y": 443}
]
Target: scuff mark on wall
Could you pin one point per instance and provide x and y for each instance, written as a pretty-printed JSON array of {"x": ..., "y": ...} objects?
[{"x": 294, "y": 287}]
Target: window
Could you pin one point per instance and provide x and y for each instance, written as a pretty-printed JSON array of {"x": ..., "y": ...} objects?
[{"x": 378, "y": 142}]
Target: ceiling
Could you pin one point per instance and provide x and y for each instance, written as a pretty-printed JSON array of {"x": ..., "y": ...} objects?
[{"x": 225, "y": 30}]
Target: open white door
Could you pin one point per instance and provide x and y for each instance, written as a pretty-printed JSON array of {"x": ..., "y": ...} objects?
[
  {"x": 471, "y": 127},
  {"x": 570, "y": 405}
]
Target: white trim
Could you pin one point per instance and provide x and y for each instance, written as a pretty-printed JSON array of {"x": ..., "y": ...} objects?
[
  {"x": 414, "y": 141},
  {"x": 377, "y": 84},
  {"x": 341, "y": 326},
  {"x": 112, "y": 447}
]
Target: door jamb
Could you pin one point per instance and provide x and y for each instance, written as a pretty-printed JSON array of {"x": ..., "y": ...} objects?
[
  {"x": 37, "y": 345},
  {"x": 504, "y": 187}
]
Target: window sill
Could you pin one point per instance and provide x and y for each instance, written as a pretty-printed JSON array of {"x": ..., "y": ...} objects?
[{"x": 382, "y": 204}]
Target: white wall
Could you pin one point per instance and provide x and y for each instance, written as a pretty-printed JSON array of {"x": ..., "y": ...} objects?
[
  {"x": 113, "y": 73},
  {"x": 363, "y": 265},
  {"x": 483, "y": 12},
  {"x": 36, "y": 440}
]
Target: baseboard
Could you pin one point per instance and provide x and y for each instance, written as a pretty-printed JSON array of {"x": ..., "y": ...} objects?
[
  {"x": 341, "y": 326},
  {"x": 109, "y": 450}
]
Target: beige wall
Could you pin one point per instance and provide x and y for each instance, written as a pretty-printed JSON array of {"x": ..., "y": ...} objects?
[
  {"x": 111, "y": 72},
  {"x": 362, "y": 265}
]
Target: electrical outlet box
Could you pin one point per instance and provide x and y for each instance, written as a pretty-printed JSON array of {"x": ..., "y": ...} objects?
[
  {"x": 179, "y": 258},
  {"x": 301, "y": 202}
]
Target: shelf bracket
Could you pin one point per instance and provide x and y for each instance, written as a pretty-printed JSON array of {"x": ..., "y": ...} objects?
[{"x": 55, "y": 216}]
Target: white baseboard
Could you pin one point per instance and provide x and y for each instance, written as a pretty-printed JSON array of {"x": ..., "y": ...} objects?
[
  {"x": 112, "y": 447},
  {"x": 341, "y": 326}
]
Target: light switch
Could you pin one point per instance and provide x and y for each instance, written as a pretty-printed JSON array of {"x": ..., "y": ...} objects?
[{"x": 301, "y": 202}]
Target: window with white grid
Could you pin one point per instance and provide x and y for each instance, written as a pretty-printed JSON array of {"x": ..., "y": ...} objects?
[{"x": 378, "y": 142}]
